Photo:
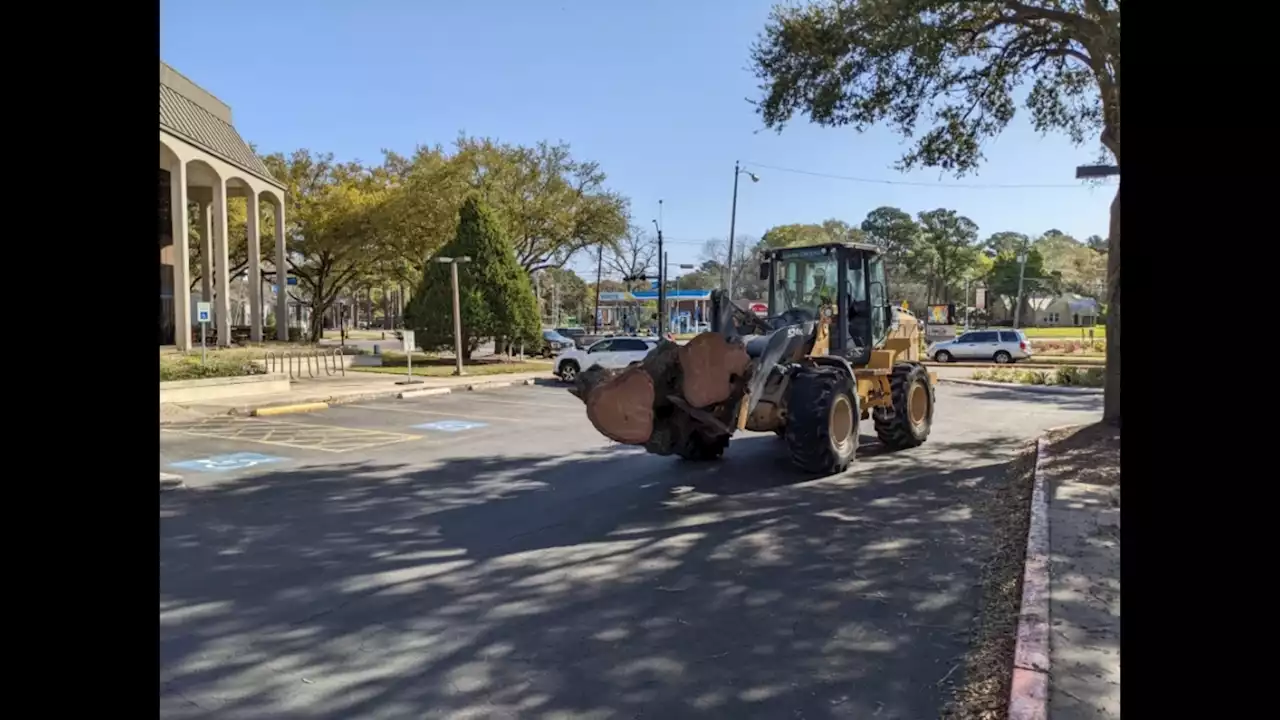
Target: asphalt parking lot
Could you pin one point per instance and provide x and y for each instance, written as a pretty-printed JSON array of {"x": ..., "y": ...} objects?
[{"x": 489, "y": 555}]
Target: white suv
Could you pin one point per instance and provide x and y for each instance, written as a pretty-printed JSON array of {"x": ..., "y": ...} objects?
[
  {"x": 614, "y": 352},
  {"x": 1001, "y": 346}
]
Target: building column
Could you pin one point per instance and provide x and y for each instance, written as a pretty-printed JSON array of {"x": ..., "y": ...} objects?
[
  {"x": 206, "y": 252},
  {"x": 221, "y": 265},
  {"x": 282, "y": 275},
  {"x": 181, "y": 256},
  {"x": 255, "y": 266}
]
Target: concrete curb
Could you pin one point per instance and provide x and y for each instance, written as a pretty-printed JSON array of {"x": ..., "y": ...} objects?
[
  {"x": 312, "y": 405},
  {"x": 424, "y": 392},
  {"x": 168, "y": 481},
  {"x": 1029, "y": 691},
  {"x": 288, "y": 409},
  {"x": 1018, "y": 365},
  {"x": 1045, "y": 389}
]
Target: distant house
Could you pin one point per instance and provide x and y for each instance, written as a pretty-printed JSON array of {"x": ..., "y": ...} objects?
[{"x": 1066, "y": 310}]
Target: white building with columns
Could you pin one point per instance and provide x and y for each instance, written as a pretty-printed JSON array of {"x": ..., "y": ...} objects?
[{"x": 203, "y": 160}]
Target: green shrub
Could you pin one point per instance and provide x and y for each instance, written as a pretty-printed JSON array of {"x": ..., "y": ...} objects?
[
  {"x": 295, "y": 334},
  {"x": 1093, "y": 377},
  {"x": 1066, "y": 375},
  {"x": 1031, "y": 377},
  {"x": 189, "y": 367}
]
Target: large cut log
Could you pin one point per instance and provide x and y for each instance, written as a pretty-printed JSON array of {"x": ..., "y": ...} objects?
[
  {"x": 674, "y": 391},
  {"x": 621, "y": 407},
  {"x": 621, "y": 404},
  {"x": 710, "y": 366}
]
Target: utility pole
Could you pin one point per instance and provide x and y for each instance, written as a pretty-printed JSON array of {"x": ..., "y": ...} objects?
[
  {"x": 555, "y": 302},
  {"x": 733, "y": 222},
  {"x": 967, "y": 282},
  {"x": 662, "y": 276},
  {"x": 1022, "y": 271},
  {"x": 666, "y": 328},
  {"x": 537, "y": 292},
  {"x": 457, "y": 310},
  {"x": 596, "y": 313}
]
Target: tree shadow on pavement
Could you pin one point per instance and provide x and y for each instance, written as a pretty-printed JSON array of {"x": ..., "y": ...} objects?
[
  {"x": 1091, "y": 403},
  {"x": 603, "y": 584}
]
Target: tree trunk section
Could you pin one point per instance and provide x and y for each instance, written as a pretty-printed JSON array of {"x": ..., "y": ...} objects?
[
  {"x": 1111, "y": 399},
  {"x": 711, "y": 365},
  {"x": 621, "y": 406},
  {"x": 634, "y": 405}
]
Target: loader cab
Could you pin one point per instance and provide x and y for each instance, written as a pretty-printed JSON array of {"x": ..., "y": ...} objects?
[{"x": 848, "y": 277}]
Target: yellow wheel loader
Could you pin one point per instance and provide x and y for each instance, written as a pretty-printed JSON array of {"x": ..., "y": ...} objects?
[{"x": 831, "y": 353}]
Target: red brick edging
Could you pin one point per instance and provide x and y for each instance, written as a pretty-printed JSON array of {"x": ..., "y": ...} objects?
[{"x": 1029, "y": 694}]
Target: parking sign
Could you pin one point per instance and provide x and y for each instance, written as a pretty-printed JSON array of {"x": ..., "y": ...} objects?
[{"x": 203, "y": 312}]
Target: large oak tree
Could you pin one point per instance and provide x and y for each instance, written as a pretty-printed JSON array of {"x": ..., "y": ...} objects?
[{"x": 949, "y": 75}]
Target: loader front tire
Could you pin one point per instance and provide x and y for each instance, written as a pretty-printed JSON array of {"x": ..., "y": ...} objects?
[
  {"x": 909, "y": 422},
  {"x": 822, "y": 420}
]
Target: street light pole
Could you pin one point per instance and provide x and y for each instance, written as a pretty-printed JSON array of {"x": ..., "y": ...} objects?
[
  {"x": 733, "y": 222},
  {"x": 682, "y": 266},
  {"x": 457, "y": 310}
]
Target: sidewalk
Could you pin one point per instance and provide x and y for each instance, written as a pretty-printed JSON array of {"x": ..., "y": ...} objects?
[
  {"x": 1081, "y": 470},
  {"x": 353, "y": 387}
]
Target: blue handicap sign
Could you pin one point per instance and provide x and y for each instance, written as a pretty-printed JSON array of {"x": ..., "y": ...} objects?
[
  {"x": 451, "y": 426},
  {"x": 226, "y": 463}
]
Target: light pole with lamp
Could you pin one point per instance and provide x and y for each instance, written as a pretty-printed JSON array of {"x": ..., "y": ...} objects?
[
  {"x": 457, "y": 309},
  {"x": 682, "y": 266},
  {"x": 733, "y": 221}
]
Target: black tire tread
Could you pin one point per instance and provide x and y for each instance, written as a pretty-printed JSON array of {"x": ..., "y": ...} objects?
[
  {"x": 808, "y": 409},
  {"x": 896, "y": 431}
]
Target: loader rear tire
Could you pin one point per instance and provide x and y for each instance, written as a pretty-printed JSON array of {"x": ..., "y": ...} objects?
[
  {"x": 822, "y": 420},
  {"x": 697, "y": 448},
  {"x": 911, "y": 420}
]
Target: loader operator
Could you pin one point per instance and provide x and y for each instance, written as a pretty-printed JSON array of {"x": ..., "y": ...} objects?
[{"x": 820, "y": 289}]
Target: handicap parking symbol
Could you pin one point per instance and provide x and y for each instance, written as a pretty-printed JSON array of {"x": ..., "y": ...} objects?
[
  {"x": 451, "y": 426},
  {"x": 226, "y": 463}
]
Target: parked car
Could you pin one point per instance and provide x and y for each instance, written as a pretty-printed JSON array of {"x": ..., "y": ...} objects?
[
  {"x": 577, "y": 335},
  {"x": 553, "y": 343},
  {"x": 616, "y": 352},
  {"x": 1001, "y": 346}
]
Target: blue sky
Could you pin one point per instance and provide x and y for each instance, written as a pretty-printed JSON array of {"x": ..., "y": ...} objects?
[{"x": 654, "y": 91}]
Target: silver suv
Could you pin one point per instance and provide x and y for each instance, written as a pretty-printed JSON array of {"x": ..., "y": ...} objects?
[{"x": 1001, "y": 346}]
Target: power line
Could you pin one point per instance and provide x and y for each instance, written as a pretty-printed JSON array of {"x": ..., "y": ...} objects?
[{"x": 913, "y": 183}]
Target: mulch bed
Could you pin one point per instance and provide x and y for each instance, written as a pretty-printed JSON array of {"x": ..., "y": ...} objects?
[
  {"x": 984, "y": 692},
  {"x": 1085, "y": 454}
]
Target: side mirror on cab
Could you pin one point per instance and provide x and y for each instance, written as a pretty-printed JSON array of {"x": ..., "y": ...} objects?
[{"x": 764, "y": 271}]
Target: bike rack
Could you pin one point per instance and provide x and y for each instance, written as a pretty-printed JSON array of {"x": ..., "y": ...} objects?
[{"x": 315, "y": 361}]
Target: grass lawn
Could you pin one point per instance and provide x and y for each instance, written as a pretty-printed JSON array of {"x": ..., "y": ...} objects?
[
  {"x": 437, "y": 367},
  {"x": 1069, "y": 333}
]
